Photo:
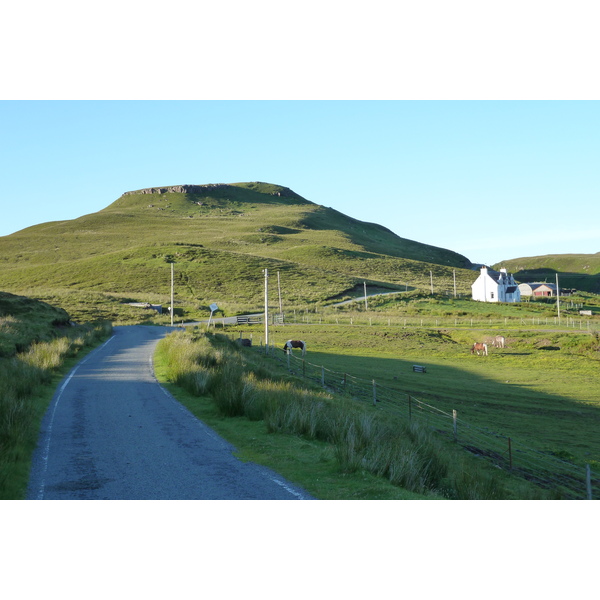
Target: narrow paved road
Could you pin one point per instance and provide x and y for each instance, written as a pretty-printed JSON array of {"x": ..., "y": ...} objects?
[{"x": 112, "y": 432}]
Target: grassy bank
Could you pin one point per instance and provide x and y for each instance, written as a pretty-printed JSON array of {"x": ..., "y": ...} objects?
[
  {"x": 384, "y": 457},
  {"x": 37, "y": 349}
]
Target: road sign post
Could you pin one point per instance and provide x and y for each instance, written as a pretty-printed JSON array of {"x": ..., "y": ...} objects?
[{"x": 213, "y": 308}]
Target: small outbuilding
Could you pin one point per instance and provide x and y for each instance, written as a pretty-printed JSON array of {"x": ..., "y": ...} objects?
[{"x": 538, "y": 289}]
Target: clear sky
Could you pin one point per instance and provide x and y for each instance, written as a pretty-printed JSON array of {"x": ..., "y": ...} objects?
[{"x": 492, "y": 180}]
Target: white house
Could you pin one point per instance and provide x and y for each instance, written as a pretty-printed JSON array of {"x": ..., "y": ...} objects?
[{"x": 494, "y": 286}]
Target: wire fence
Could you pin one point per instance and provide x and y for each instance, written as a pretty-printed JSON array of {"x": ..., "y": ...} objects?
[
  {"x": 566, "y": 322},
  {"x": 564, "y": 479}
]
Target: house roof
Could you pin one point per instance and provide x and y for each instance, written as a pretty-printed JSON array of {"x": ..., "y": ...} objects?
[
  {"x": 491, "y": 273},
  {"x": 535, "y": 286},
  {"x": 495, "y": 275}
]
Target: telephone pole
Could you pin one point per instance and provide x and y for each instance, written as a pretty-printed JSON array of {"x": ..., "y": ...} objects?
[
  {"x": 454, "y": 277},
  {"x": 266, "y": 272},
  {"x": 172, "y": 295},
  {"x": 279, "y": 291},
  {"x": 558, "y": 299}
]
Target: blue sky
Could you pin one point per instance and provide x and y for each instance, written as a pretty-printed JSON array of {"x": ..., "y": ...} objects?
[{"x": 492, "y": 180}]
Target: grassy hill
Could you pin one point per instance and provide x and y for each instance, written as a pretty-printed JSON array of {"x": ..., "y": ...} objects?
[
  {"x": 220, "y": 237},
  {"x": 579, "y": 271}
]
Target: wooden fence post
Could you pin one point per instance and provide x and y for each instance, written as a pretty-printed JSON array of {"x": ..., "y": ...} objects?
[{"x": 454, "y": 424}]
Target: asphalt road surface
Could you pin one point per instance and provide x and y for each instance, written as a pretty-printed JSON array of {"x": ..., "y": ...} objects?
[{"x": 112, "y": 432}]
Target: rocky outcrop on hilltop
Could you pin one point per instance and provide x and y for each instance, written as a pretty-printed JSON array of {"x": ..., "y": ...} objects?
[
  {"x": 209, "y": 187},
  {"x": 181, "y": 189}
]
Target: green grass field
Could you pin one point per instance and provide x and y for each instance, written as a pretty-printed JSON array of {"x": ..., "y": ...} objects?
[
  {"x": 543, "y": 386},
  {"x": 542, "y": 390}
]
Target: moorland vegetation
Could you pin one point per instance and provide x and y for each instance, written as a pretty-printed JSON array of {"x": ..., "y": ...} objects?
[
  {"x": 220, "y": 238},
  {"x": 577, "y": 271}
]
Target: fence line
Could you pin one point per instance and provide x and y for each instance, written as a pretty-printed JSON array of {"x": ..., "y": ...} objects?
[
  {"x": 567, "y": 322},
  {"x": 567, "y": 480}
]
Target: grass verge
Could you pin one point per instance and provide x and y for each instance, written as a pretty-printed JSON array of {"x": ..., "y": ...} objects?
[{"x": 28, "y": 381}]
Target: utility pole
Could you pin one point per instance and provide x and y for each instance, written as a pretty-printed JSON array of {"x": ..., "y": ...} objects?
[
  {"x": 266, "y": 272},
  {"x": 279, "y": 291},
  {"x": 172, "y": 295},
  {"x": 558, "y": 299},
  {"x": 454, "y": 277},
  {"x": 366, "y": 307}
]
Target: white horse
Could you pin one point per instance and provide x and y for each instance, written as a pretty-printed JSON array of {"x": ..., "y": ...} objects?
[
  {"x": 290, "y": 344},
  {"x": 499, "y": 341}
]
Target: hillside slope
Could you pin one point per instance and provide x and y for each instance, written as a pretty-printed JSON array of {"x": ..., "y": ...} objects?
[
  {"x": 579, "y": 271},
  {"x": 221, "y": 237},
  {"x": 24, "y": 321}
]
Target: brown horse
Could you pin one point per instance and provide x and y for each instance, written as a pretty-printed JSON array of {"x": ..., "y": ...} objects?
[
  {"x": 290, "y": 344},
  {"x": 479, "y": 347}
]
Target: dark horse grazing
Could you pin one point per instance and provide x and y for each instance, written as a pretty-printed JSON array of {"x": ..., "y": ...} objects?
[
  {"x": 290, "y": 344},
  {"x": 478, "y": 347}
]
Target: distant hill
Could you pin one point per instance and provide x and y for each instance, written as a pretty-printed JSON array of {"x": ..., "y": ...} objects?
[
  {"x": 221, "y": 237},
  {"x": 579, "y": 271}
]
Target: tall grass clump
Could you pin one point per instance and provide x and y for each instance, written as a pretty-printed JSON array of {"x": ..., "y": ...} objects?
[
  {"x": 406, "y": 454},
  {"x": 48, "y": 356},
  {"x": 190, "y": 361},
  {"x": 17, "y": 381},
  {"x": 291, "y": 409}
]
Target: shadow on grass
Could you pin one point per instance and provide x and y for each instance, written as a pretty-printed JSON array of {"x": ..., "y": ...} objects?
[{"x": 541, "y": 420}]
